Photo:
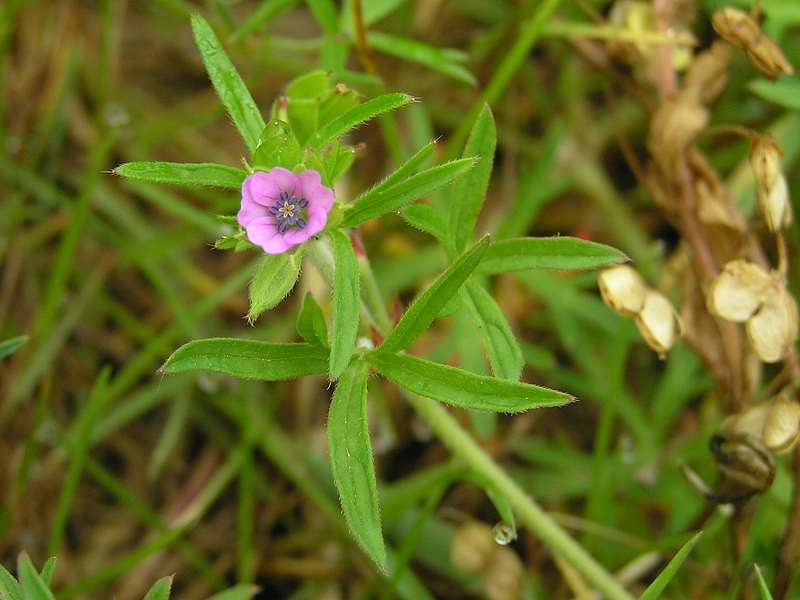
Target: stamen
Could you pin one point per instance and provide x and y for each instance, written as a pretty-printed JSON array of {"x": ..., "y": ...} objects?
[{"x": 302, "y": 203}]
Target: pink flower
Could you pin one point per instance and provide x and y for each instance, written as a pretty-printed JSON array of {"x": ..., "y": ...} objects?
[{"x": 281, "y": 209}]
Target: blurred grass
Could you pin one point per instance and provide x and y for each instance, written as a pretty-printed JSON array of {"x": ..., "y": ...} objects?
[{"x": 223, "y": 482}]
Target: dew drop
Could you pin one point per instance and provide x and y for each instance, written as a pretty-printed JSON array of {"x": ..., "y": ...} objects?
[{"x": 504, "y": 533}]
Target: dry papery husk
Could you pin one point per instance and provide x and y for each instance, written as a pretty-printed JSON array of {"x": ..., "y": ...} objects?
[
  {"x": 772, "y": 331},
  {"x": 775, "y": 422},
  {"x": 622, "y": 289},
  {"x": 708, "y": 73},
  {"x": 740, "y": 29},
  {"x": 674, "y": 126},
  {"x": 771, "y": 187},
  {"x": 472, "y": 547},
  {"x": 503, "y": 576},
  {"x": 658, "y": 322},
  {"x": 738, "y": 292}
]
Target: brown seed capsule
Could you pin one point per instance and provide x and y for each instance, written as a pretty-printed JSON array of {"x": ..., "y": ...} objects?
[
  {"x": 782, "y": 424},
  {"x": 658, "y": 323},
  {"x": 772, "y": 190},
  {"x": 738, "y": 292},
  {"x": 502, "y": 578},
  {"x": 773, "y": 329},
  {"x": 473, "y": 547},
  {"x": 741, "y": 30},
  {"x": 622, "y": 289}
]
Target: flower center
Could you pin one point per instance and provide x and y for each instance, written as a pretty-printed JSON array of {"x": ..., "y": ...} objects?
[{"x": 290, "y": 212}]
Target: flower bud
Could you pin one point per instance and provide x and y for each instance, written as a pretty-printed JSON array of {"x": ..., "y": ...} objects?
[
  {"x": 782, "y": 424},
  {"x": 773, "y": 329},
  {"x": 473, "y": 547},
  {"x": 657, "y": 322},
  {"x": 773, "y": 192},
  {"x": 738, "y": 292},
  {"x": 740, "y": 29},
  {"x": 622, "y": 289}
]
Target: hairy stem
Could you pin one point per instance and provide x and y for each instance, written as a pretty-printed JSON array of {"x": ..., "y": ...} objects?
[{"x": 466, "y": 449}]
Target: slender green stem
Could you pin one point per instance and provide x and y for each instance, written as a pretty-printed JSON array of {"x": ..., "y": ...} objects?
[
  {"x": 529, "y": 33},
  {"x": 466, "y": 449},
  {"x": 371, "y": 296},
  {"x": 542, "y": 525}
]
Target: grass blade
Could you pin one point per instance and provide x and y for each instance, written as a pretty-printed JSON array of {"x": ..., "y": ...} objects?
[
  {"x": 351, "y": 459},
  {"x": 188, "y": 174},
  {"x": 762, "y": 584},
  {"x": 462, "y": 388},
  {"x": 249, "y": 359},
  {"x": 430, "y": 303},
  {"x": 11, "y": 345},
  {"x": 229, "y": 85},
  {"x": 655, "y": 589}
]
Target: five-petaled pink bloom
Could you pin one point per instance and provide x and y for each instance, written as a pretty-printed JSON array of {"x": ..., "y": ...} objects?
[{"x": 281, "y": 209}]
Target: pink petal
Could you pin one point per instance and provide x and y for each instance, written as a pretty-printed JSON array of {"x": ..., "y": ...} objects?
[
  {"x": 263, "y": 232},
  {"x": 314, "y": 191},
  {"x": 250, "y": 211}
]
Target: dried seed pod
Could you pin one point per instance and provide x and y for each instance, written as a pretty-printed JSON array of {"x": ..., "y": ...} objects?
[
  {"x": 473, "y": 547},
  {"x": 773, "y": 329},
  {"x": 782, "y": 424},
  {"x": 658, "y": 323},
  {"x": 708, "y": 73},
  {"x": 502, "y": 578},
  {"x": 772, "y": 190},
  {"x": 713, "y": 208},
  {"x": 622, "y": 289},
  {"x": 675, "y": 124},
  {"x": 738, "y": 292},
  {"x": 741, "y": 30}
]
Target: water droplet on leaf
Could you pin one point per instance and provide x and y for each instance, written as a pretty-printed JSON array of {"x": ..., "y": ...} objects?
[{"x": 504, "y": 533}]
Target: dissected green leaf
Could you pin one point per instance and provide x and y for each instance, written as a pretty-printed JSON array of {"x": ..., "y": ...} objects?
[
  {"x": 351, "y": 459},
  {"x": 237, "y": 592},
  {"x": 33, "y": 586},
  {"x": 229, "y": 85},
  {"x": 429, "y": 303},
  {"x": 303, "y": 116},
  {"x": 311, "y": 324},
  {"x": 442, "y": 60},
  {"x": 346, "y": 303},
  {"x": 160, "y": 590},
  {"x": 273, "y": 280},
  {"x": 406, "y": 170},
  {"x": 340, "y": 101},
  {"x": 278, "y": 147},
  {"x": 520, "y": 254},
  {"x": 462, "y": 388},
  {"x": 656, "y": 589},
  {"x": 9, "y": 588},
  {"x": 356, "y": 116},
  {"x": 427, "y": 218},
  {"x": 189, "y": 174},
  {"x": 11, "y": 345},
  {"x": 381, "y": 200},
  {"x": 502, "y": 348},
  {"x": 249, "y": 359},
  {"x": 313, "y": 84},
  {"x": 469, "y": 192}
]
